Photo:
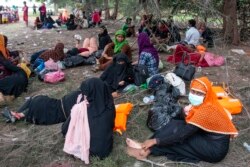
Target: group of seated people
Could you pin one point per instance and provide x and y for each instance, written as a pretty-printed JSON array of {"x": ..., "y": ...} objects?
[
  {"x": 195, "y": 50},
  {"x": 202, "y": 134}
]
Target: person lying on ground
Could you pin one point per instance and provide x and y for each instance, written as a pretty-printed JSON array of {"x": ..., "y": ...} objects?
[
  {"x": 89, "y": 46},
  {"x": 119, "y": 74},
  {"x": 44, "y": 110},
  {"x": 196, "y": 54},
  {"x": 148, "y": 55},
  {"x": 203, "y": 135},
  {"x": 57, "y": 54},
  {"x": 119, "y": 45}
]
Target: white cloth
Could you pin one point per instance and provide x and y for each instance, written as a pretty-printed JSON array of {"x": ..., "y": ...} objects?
[
  {"x": 192, "y": 36},
  {"x": 176, "y": 81},
  {"x": 77, "y": 141}
]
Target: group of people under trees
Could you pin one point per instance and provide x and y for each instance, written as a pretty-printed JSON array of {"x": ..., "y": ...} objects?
[
  {"x": 76, "y": 20},
  {"x": 201, "y": 133}
]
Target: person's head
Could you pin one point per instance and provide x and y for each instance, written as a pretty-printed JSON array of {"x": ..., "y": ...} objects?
[
  {"x": 143, "y": 40},
  {"x": 121, "y": 59},
  {"x": 71, "y": 16},
  {"x": 192, "y": 23},
  {"x": 37, "y": 19},
  {"x": 43, "y": 4},
  {"x": 198, "y": 90},
  {"x": 24, "y": 2},
  {"x": 201, "y": 26},
  {"x": 59, "y": 47},
  {"x": 102, "y": 30},
  {"x": 77, "y": 15},
  {"x": 128, "y": 20},
  {"x": 120, "y": 35}
]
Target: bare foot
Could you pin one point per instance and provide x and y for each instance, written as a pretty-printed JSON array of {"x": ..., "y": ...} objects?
[
  {"x": 133, "y": 144},
  {"x": 136, "y": 153}
]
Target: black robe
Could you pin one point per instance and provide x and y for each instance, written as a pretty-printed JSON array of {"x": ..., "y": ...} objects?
[
  {"x": 118, "y": 72},
  {"x": 13, "y": 84},
  {"x": 180, "y": 141}
]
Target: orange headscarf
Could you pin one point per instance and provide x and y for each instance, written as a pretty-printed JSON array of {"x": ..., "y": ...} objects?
[
  {"x": 210, "y": 115},
  {"x": 3, "y": 49}
]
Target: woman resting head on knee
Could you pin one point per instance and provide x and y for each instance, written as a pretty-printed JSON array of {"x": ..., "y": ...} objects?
[{"x": 203, "y": 135}]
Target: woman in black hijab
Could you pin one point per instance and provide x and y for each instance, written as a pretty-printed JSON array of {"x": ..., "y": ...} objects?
[
  {"x": 119, "y": 74},
  {"x": 101, "y": 116}
]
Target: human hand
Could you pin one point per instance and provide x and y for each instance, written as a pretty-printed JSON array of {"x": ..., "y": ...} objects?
[{"x": 148, "y": 143}]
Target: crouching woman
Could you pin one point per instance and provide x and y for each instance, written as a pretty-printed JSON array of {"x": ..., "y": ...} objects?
[{"x": 204, "y": 135}]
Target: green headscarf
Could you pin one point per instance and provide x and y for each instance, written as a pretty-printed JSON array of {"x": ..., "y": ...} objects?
[{"x": 119, "y": 45}]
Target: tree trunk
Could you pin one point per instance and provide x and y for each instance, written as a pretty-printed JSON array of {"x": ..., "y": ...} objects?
[
  {"x": 114, "y": 15},
  {"x": 106, "y": 9},
  {"x": 158, "y": 12},
  {"x": 230, "y": 22},
  {"x": 55, "y": 8}
]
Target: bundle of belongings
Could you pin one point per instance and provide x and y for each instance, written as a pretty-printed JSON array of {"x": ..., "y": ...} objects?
[{"x": 166, "y": 105}]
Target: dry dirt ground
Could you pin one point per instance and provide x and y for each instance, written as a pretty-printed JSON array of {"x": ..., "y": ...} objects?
[{"x": 27, "y": 145}]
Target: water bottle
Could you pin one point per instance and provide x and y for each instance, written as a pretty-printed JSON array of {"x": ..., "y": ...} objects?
[
  {"x": 148, "y": 99},
  {"x": 198, "y": 72}
]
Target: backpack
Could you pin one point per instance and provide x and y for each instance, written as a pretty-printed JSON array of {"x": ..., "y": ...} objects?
[{"x": 140, "y": 74}]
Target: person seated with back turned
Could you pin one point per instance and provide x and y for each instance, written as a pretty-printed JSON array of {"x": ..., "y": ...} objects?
[
  {"x": 203, "y": 135},
  {"x": 148, "y": 55}
]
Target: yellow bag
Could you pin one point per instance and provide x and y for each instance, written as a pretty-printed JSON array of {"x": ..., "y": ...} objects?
[{"x": 122, "y": 112}]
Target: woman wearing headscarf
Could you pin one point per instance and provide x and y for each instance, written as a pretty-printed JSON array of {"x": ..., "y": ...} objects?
[
  {"x": 56, "y": 54},
  {"x": 119, "y": 73},
  {"x": 204, "y": 135},
  {"x": 44, "y": 110},
  {"x": 13, "y": 80},
  {"x": 119, "y": 45},
  {"x": 148, "y": 55},
  {"x": 13, "y": 56}
]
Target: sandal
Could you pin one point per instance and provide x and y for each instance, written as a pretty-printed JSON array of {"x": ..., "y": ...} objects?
[{"x": 7, "y": 114}]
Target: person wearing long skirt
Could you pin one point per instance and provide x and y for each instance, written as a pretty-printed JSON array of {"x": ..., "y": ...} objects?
[{"x": 204, "y": 134}]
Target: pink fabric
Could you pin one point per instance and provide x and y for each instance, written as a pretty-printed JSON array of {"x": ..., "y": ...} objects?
[
  {"x": 51, "y": 65},
  {"x": 54, "y": 77},
  {"x": 77, "y": 141},
  {"x": 194, "y": 56},
  {"x": 214, "y": 60}
]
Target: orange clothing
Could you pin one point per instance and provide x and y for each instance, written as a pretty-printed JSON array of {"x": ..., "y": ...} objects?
[
  {"x": 201, "y": 49},
  {"x": 210, "y": 115},
  {"x": 3, "y": 49}
]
